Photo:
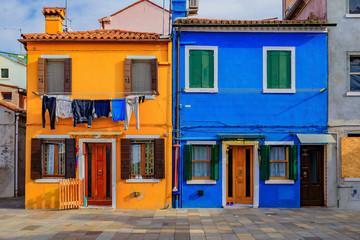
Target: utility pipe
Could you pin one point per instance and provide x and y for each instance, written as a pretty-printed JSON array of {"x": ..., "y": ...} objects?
[{"x": 16, "y": 153}]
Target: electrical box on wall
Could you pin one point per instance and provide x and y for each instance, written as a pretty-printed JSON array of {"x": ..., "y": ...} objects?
[{"x": 355, "y": 193}]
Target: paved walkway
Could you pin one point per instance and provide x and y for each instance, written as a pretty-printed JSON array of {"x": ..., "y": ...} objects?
[{"x": 245, "y": 223}]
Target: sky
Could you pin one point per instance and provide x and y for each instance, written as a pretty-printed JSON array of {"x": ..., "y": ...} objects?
[{"x": 25, "y": 15}]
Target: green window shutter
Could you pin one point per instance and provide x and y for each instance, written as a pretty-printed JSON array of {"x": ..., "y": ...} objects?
[
  {"x": 279, "y": 69},
  {"x": 214, "y": 162},
  {"x": 293, "y": 162},
  {"x": 265, "y": 162},
  {"x": 187, "y": 162},
  {"x": 201, "y": 69}
]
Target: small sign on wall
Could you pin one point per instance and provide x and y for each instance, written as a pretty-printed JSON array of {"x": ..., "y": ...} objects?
[{"x": 355, "y": 193}]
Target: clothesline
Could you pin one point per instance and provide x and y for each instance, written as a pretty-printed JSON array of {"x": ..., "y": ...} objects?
[{"x": 99, "y": 93}]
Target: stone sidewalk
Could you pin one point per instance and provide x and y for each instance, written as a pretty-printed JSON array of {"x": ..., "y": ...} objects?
[{"x": 235, "y": 223}]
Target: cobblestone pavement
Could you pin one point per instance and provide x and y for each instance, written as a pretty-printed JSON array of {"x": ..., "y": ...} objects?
[{"x": 231, "y": 223}]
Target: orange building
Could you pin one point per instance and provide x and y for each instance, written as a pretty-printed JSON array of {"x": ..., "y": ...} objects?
[{"x": 125, "y": 169}]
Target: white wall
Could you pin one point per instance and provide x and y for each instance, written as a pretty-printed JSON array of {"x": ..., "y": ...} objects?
[{"x": 17, "y": 73}]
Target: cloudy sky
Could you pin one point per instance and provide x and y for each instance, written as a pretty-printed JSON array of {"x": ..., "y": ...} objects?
[{"x": 26, "y": 14}]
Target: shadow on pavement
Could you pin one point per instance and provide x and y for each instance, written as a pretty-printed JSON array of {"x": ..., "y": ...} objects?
[{"x": 12, "y": 203}]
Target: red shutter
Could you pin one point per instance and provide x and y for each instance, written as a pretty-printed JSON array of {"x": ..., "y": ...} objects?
[
  {"x": 70, "y": 158},
  {"x": 154, "y": 76},
  {"x": 125, "y": 158},
  {"x": 128, "y": 77},
  {"x": 42, "y": 75},
  {"x": 68, "y": 75},
  {"x": 159, "y": 159},
  {"x": 36, "y": 170}
]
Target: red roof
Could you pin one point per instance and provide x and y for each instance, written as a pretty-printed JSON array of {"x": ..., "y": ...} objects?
[
  {"x": 96, "y": 35},
  {"x": 101, "y": 19},
  {"x": 53, "y": 11},
  {"x": 12, "y": 107}
]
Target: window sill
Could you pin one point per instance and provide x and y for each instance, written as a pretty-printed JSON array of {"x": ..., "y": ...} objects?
[
  {"x": 352, "y": 179},
  {"x": 349, "y": 15},
  {"x": 279, "y": 182},
  {"x": 201, "y": 90},
  {"x": 142, "y": 180},
  {"x": 279, "y": 91},
  {"x": 48, "y": 180},
  {"x": 200, "y": 182},
  {"x": 4, "y": 78},
  {"x": 353, "y": 94}
]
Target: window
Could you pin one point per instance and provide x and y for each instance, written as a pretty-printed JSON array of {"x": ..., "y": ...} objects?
[
  {"x": 201, "y": 162},
  {"x": 279, "y": 69},
  {"x": 6, "y": 95},
  {"x": 354, "y": 6},
  {"x": 141, "y": 75},
  {"x": 4, "y": 73},
  {"x": 142, "y": 159},
  {"x": 54, "y": 75},
  {"x": 279, "y": 162},
  {"x": 201, "y": 67},
  {"x": 354, "y": 73},
  {"x": 279, "y": 156},
  {"x": 53, "y": 158}
]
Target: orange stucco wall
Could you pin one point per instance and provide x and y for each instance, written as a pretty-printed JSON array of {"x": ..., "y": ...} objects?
[{"x": 98, "y": 73}]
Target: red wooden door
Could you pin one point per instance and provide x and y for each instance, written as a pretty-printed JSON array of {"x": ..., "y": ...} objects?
[
  {"x": 98, "y": 174},
  {"x": 312, "y": 176}
]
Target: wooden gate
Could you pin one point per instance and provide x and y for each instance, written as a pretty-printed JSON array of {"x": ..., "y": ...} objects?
[{"x": 71, "y": 193}]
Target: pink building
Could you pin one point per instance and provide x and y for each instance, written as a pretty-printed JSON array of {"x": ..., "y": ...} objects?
[
  {"x": 142, "y": 16},
  {"x": 304, "y": 9}
]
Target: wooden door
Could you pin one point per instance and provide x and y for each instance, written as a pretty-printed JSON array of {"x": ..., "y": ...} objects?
[
  {"x": 312, "y": 176},
  {"x": 239, "y": 172},
  {"x": 98, "y": 174}
]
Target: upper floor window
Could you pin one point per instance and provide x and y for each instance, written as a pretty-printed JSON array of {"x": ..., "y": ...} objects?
[
  {"x": 354, "y": 73},
  {"x": 279, "y": 69},
  {"x": 6, "y": 95},
  {"x": 4, "y": 73},
  {"x": 354, "y": 6},
  {"x": 201, "y": 69},
  {"x": 54, "y": 75},
  {"x": 141, "y": 75}
]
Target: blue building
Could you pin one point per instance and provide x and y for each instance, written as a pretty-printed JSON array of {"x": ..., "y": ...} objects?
[{"x": 250, "y": 112}]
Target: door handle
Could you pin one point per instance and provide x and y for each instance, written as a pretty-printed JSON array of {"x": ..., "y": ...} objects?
[
  {"x": 100, "y": 172},
  {"x": 305, "y": 174}
]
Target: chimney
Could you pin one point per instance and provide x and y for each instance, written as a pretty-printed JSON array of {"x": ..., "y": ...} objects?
[{"x": 54, "y": 17}]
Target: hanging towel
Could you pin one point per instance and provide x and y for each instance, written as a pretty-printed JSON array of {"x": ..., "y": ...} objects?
[
  {"x": 83, "y": 111},
  {"x": 132, "y": 104},
  {"x": 118, "y": 109},
  {"x": 102, "y": 108},
  {"x": 63, "y": 107},
  {"x": 49, "y": 103}
]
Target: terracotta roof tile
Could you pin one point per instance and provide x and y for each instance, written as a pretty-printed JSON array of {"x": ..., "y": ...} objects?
[
  {"x": 96, "y": 35},
  {"x": 204, "y": 21},
  {"x": 54, "y": 11},
  {"x": 12, "y": 106}
]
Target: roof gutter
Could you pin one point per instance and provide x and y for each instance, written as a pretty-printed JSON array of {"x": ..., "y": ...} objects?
[{"x": 257, "y": 25}]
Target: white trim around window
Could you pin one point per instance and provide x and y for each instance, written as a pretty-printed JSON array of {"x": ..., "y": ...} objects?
[
  {"x": 8, "y": 73},
  {"x": 292, "y": 89},
  {"x": 187, "y": 72}
]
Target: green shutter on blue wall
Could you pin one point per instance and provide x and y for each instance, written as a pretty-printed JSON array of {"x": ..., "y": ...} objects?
[
  {"x": 279, "y": 69},
  {"x": 215, "y": 162},
  {"x": 265, "y": 162},
  {"x": 293, "y": 162},
  {"x": 201, "y": 69},
  {"x": 187, "y": 162}
]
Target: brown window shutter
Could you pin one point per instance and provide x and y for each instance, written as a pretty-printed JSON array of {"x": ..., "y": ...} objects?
[
  {"x": 36, "y": 170},
  {"x": 68, "y": 75},
  {"x": 128, "y": 77},
  {"x": 154, "y": 76},
  {"x": 70, "y": 158},
  {"x": 125, "y": 158},
  {"x": 159, "y": 159},
  {"x": 42, "y": 75}
]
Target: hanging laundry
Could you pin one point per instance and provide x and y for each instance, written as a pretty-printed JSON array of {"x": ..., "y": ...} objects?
[
  {"x": 118, "y": 109},
  {"x": 49, "y": 103},
  {"x": 132, "y": 104},
  {"x": 141, "y": 99},
  {"x": 83, "y": 111},
  {"x": 102, "y": 108},
  {"x": 63, "y": 107}
]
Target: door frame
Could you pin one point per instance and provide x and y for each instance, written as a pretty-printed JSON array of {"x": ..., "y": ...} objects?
[
  {"x": 255, "y": 145},
  {"x": 324, "y": 170},
  {"x": 113, "y": 162}
]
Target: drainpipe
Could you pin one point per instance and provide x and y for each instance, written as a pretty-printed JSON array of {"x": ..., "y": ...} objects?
[{"x": 16, "y": 153}]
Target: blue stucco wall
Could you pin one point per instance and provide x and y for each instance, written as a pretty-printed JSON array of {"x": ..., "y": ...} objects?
[{"x": 241, "y": 107}]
